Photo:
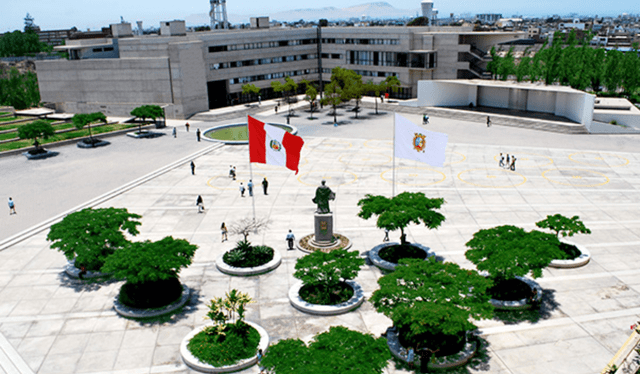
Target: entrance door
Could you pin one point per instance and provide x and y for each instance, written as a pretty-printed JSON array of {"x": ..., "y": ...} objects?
[{"x": 217, "y": 91}]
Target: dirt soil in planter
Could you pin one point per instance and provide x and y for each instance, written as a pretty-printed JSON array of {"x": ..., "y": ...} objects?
[
  {"x": 571, "y": 251},
  {"x": 445, "y": 344},
  {"x": 510, "y": 290},
  {"x": 91, "y": 141},
  {"x": 317, "y": 295},
  {"x": 256, "y": 256},
  {"x": 396, "y": 252},
  {"x": 150, "y": 294},
  {"x": 38, "y": 151},
  {"x": 239, "y": 342}
]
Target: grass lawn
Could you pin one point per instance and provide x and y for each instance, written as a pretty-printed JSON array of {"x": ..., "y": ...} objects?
[
  {"x": 7, "y": 119},
  {"x": 67, "y": 135},
  {"x": 3, "y": 113},
  {"x": 237, "y": 133}
]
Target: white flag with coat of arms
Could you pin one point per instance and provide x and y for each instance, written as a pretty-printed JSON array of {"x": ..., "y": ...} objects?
[{"x": 415, "y": 143}]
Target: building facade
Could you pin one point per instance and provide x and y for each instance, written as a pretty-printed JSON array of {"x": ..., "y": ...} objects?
[{"x": 187, "y": 73}]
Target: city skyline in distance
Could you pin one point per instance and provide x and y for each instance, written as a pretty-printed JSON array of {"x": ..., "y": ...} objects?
[{"x": 69, "y": 13}]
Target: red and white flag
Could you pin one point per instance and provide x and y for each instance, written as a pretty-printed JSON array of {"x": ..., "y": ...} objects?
[{"x": 273, "y": 145}]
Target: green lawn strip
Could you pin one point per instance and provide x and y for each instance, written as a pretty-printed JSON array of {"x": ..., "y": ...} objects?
[
  {"x": 15, "y": 126},
  {"x": 3, "y": 113},
  {"x": 64, "y": 136},
  {"x": 7, "y": 119},
  {"x": 9, "y": 135},
  {"x": 236, "y": 133},
  {"x": 11, "y": 126}
]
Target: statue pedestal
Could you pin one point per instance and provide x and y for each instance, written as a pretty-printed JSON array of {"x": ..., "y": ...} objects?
[{"x": 323, "y": 225}]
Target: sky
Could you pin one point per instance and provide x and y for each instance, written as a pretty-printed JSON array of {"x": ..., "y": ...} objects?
[{"x": 83, "y": 14}]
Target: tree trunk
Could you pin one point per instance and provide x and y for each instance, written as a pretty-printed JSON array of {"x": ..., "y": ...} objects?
[
  {"x": 376, "y": 100},
  {"x": 425, "y": 357}
]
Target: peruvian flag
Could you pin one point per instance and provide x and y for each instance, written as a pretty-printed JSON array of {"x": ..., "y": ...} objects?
[{"x": 272, "y": 145}]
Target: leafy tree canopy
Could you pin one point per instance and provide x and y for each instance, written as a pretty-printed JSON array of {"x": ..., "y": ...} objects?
[
  {"x": 328, "y": 269},
  {"x": 18, "y": 43},
  {"x": 563, "y": 225},
  {"x": 430, "y": 297},
  {"x": 81, "y": 120},
  {"x": 399, "y": 211},
  {"x": 148, "y": 111},
  {"x": 149, "y": 261},
  {"x": 508, "y": 251},
  {"x": 338, "y": 350},
  {"x": 250, "y": 89},
  {"x": 91, "y": 235},
  {"x": 36, "y": 129},
  {"x": 18, "y": 90}
]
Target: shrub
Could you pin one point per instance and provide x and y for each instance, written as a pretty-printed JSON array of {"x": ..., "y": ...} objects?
[
  {"x": 395, "y": 253},
  {"x": 153, "y": 294},
  {"x": 244, "y": 255}
]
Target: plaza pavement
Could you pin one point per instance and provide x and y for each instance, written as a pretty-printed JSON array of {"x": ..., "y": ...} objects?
[{"x": 50, "y": 324}]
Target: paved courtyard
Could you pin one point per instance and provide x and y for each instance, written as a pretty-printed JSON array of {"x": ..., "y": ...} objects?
[{"x": 51, "y": 324}]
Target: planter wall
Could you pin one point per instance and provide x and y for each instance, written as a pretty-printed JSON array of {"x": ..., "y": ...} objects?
[
  {"x": 390, "y": 266},
  {"x": 197, "y": 365},
  {"x": 130, "y": 312},
  {"x": 582, "y": 260},
  {"x": 40, "y": 156},
  {"x": 326, "y": 310},
  {"x": 232, "y": 270},
  {"x": 101, "y": 143},
  {"x": 522, "y": 303}
]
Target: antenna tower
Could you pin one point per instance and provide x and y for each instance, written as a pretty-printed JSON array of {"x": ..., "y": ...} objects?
[{"x": 218, "y": 14}]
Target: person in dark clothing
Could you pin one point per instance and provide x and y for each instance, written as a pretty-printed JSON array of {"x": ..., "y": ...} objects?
[
  {"x": 193, "y": 168},
  {"x": 198, "y": 134},
  {"x": 265, "y": 184}
]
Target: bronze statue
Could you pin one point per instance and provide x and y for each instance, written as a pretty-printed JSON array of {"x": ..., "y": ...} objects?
[{"x": 323, "y": 195}]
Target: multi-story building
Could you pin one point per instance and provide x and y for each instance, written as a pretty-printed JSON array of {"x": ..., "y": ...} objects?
[{"x": 193, "y": 72}]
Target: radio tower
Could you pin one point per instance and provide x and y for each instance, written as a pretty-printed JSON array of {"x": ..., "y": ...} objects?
[{"x": 218, "y": 14}]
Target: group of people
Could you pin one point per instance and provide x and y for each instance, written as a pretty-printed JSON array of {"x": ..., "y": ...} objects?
[
  {"x": 174, "y": 132},
  {"x": 265, "y": 186},
  {"x": 510, "y": 162}
]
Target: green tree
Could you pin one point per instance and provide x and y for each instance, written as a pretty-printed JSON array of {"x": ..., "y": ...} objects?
[
  {"x": 34, "y": 130},
  {"x": 399, "y": 211},
  {"x": 250, "y": 89},
  {"x": 390, "y": 83},
  {"x": 507, "y": 65},
  {"x": 90, "y": 236},
  {"x": 494, "y": 65},
  {"x": 431, "y": 302},
  {"x": 523, "y": 68},
  {"x": 631, "y": 71},
  {"x": 338, "y": 350},
  {"x": 146, "y": 262},
  {"x": 227, "y": 310},
  {"x": 287, "y": 88},
  {"x": 147, "y": 111},
  {"x": 81, "y": 120},
  {"x": 18, "y": 90},
  {"x": 508, "y": 251},
  {"x": 311, "y": 95},
  {"x": 596, "y": 68},
  {"x": 333, "y": 97},
  {"x": 613, "y": 70},
  {"x": 18, "y": 43},
  {"x": 327, "y": 270},
  {"x": 563, "y": 225}
]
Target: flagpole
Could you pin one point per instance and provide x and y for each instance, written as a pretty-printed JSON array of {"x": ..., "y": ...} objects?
[
  {"x": 253, "y": 200},
  {"x": 393, "y": 185}
]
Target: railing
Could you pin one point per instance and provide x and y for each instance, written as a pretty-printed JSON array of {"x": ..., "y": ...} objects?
[
  {"x": 626, "y": 360},
  {"x": 478, "y": 52}
]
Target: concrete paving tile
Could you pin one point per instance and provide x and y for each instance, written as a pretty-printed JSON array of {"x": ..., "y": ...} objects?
[
  {"x": 171, "y": 335},
  {"x": 57, "y": 306},
  {"x": 167, "y": 355},
  {"x": 132, "y": 358},
  {"x": 60, "y": 363},
  {"x": 110, "y": 323},
  {"x": 28, "y": 307},
  {"x": 104, "y": 341},
  {"x": 15, "y": 329},
  {"x": 36, "y": 346},
  {"x": 96, "y": 361},
  {"x": 45, "y": 328},
  {"x": 78, "y": 326},
  {"x": 34, "y": 362},
  {"x": 7, "y": 307},
  {"x": 71, "y": 343},
  {"x": 140, "y": 338}
]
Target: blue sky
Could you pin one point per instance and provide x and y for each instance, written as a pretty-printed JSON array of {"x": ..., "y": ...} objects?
[{"x": 84, "y": 14}]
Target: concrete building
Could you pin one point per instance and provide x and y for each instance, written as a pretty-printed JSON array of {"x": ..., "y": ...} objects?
[{"x": 192, "y": 72}]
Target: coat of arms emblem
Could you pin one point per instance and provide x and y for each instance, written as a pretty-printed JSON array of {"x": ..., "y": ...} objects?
[
  {"x": 419, "y": 142},
  {"x": 275, "y": 145}
]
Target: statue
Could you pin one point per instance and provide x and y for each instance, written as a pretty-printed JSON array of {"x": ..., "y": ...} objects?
[{"x": 323, "y": 195}]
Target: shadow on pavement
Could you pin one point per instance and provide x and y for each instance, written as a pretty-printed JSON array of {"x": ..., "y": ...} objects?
[{"x": 544, "y": 311}]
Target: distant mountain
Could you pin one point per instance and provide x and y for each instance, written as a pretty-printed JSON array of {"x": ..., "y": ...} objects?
[{"x": 369, "y": 11}]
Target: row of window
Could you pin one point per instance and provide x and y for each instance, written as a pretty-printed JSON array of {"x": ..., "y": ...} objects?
[
  {"x": 271, "y": 44},
  {"x": 332, "y": 56},
  {"x": 361, "y": 41},
  {"x": 261, "y": 61},
  {"x": 381, "y": 74},
  {"x": 399, "y": 59},
  {"x": 264, "y": 77},
  {"x": 105, "y": 49}
]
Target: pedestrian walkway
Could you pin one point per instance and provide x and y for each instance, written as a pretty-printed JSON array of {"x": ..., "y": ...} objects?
[{"x": 57, "y": 325}]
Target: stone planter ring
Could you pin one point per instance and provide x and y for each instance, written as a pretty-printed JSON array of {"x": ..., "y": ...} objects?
[
  {"x": 232, "y": 270},
  {"x": 374, "y": 255},
  {"x": 582, "y": 260},
  {"x": 525, "y": 303},
  {"x": 326, "y": 310},
  {"x": 130, "y": 312}
]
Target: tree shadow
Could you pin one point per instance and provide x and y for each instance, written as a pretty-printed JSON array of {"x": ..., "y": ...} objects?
[
  {"x": 380, "y": 113},
  {"x": 80, "y": 285},
  {"x": 479, "y": 361},
  {"x": 173, "y": 317},
  {"x": 543, "y": 311}
]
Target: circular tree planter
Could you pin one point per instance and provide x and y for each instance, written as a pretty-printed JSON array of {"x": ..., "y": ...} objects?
[
  {"x": 40, "y": 155},
  {"x": 326, "y": 310},
  {"x": 374, "y": 255},
  {"x": 98, "y": 143},
  {"x": 198, "y": 365},
  {"x": 525, "y": 303},
  {"x": 73, "y": 272},
  {"x": 581, "y": 260},
  {"x": 130, "y": 312},
  {"x": 232, "y": 270},
  {"x": 208, "y": 134},
  {"x": 144, "y": 134},
  {"x": 305, "y": 244},
  {"x": 444, "y": 362}
]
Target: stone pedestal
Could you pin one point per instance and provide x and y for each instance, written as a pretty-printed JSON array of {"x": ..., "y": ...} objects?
[{"x": 323, "y": 225}]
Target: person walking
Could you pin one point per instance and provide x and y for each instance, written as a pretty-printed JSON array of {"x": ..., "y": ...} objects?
[
  {"x": 276, "y": 109},
  {"x": 241, "y": 190},
  {"x": 513, "y": 163},
  {"x": 198, "y": 134},
  {"x": 175, "y": 133},
  {"x": 230, "y": 171},
  {"x": 501, "y": 164},
  {"x": 290, "y": 238},
  {"x": 488, "y": 121},
  {"x": 508, "y": 160},
  {"x": 265, "y": 184},
  {"x": 250, "y": 187},
  {"x": 260, "y": 356},
  {"x": 200, "y": 204},
  {"x": 386, "y": 235},
  {"x": 259, "y": 100},
  {"x": 223, "y": 231},
  {"x": 425, "y": 119},
  {"x": 193, "y": 168},
  {"x": 187, "y": 126},
  {"x": 12, "y": 207}
]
